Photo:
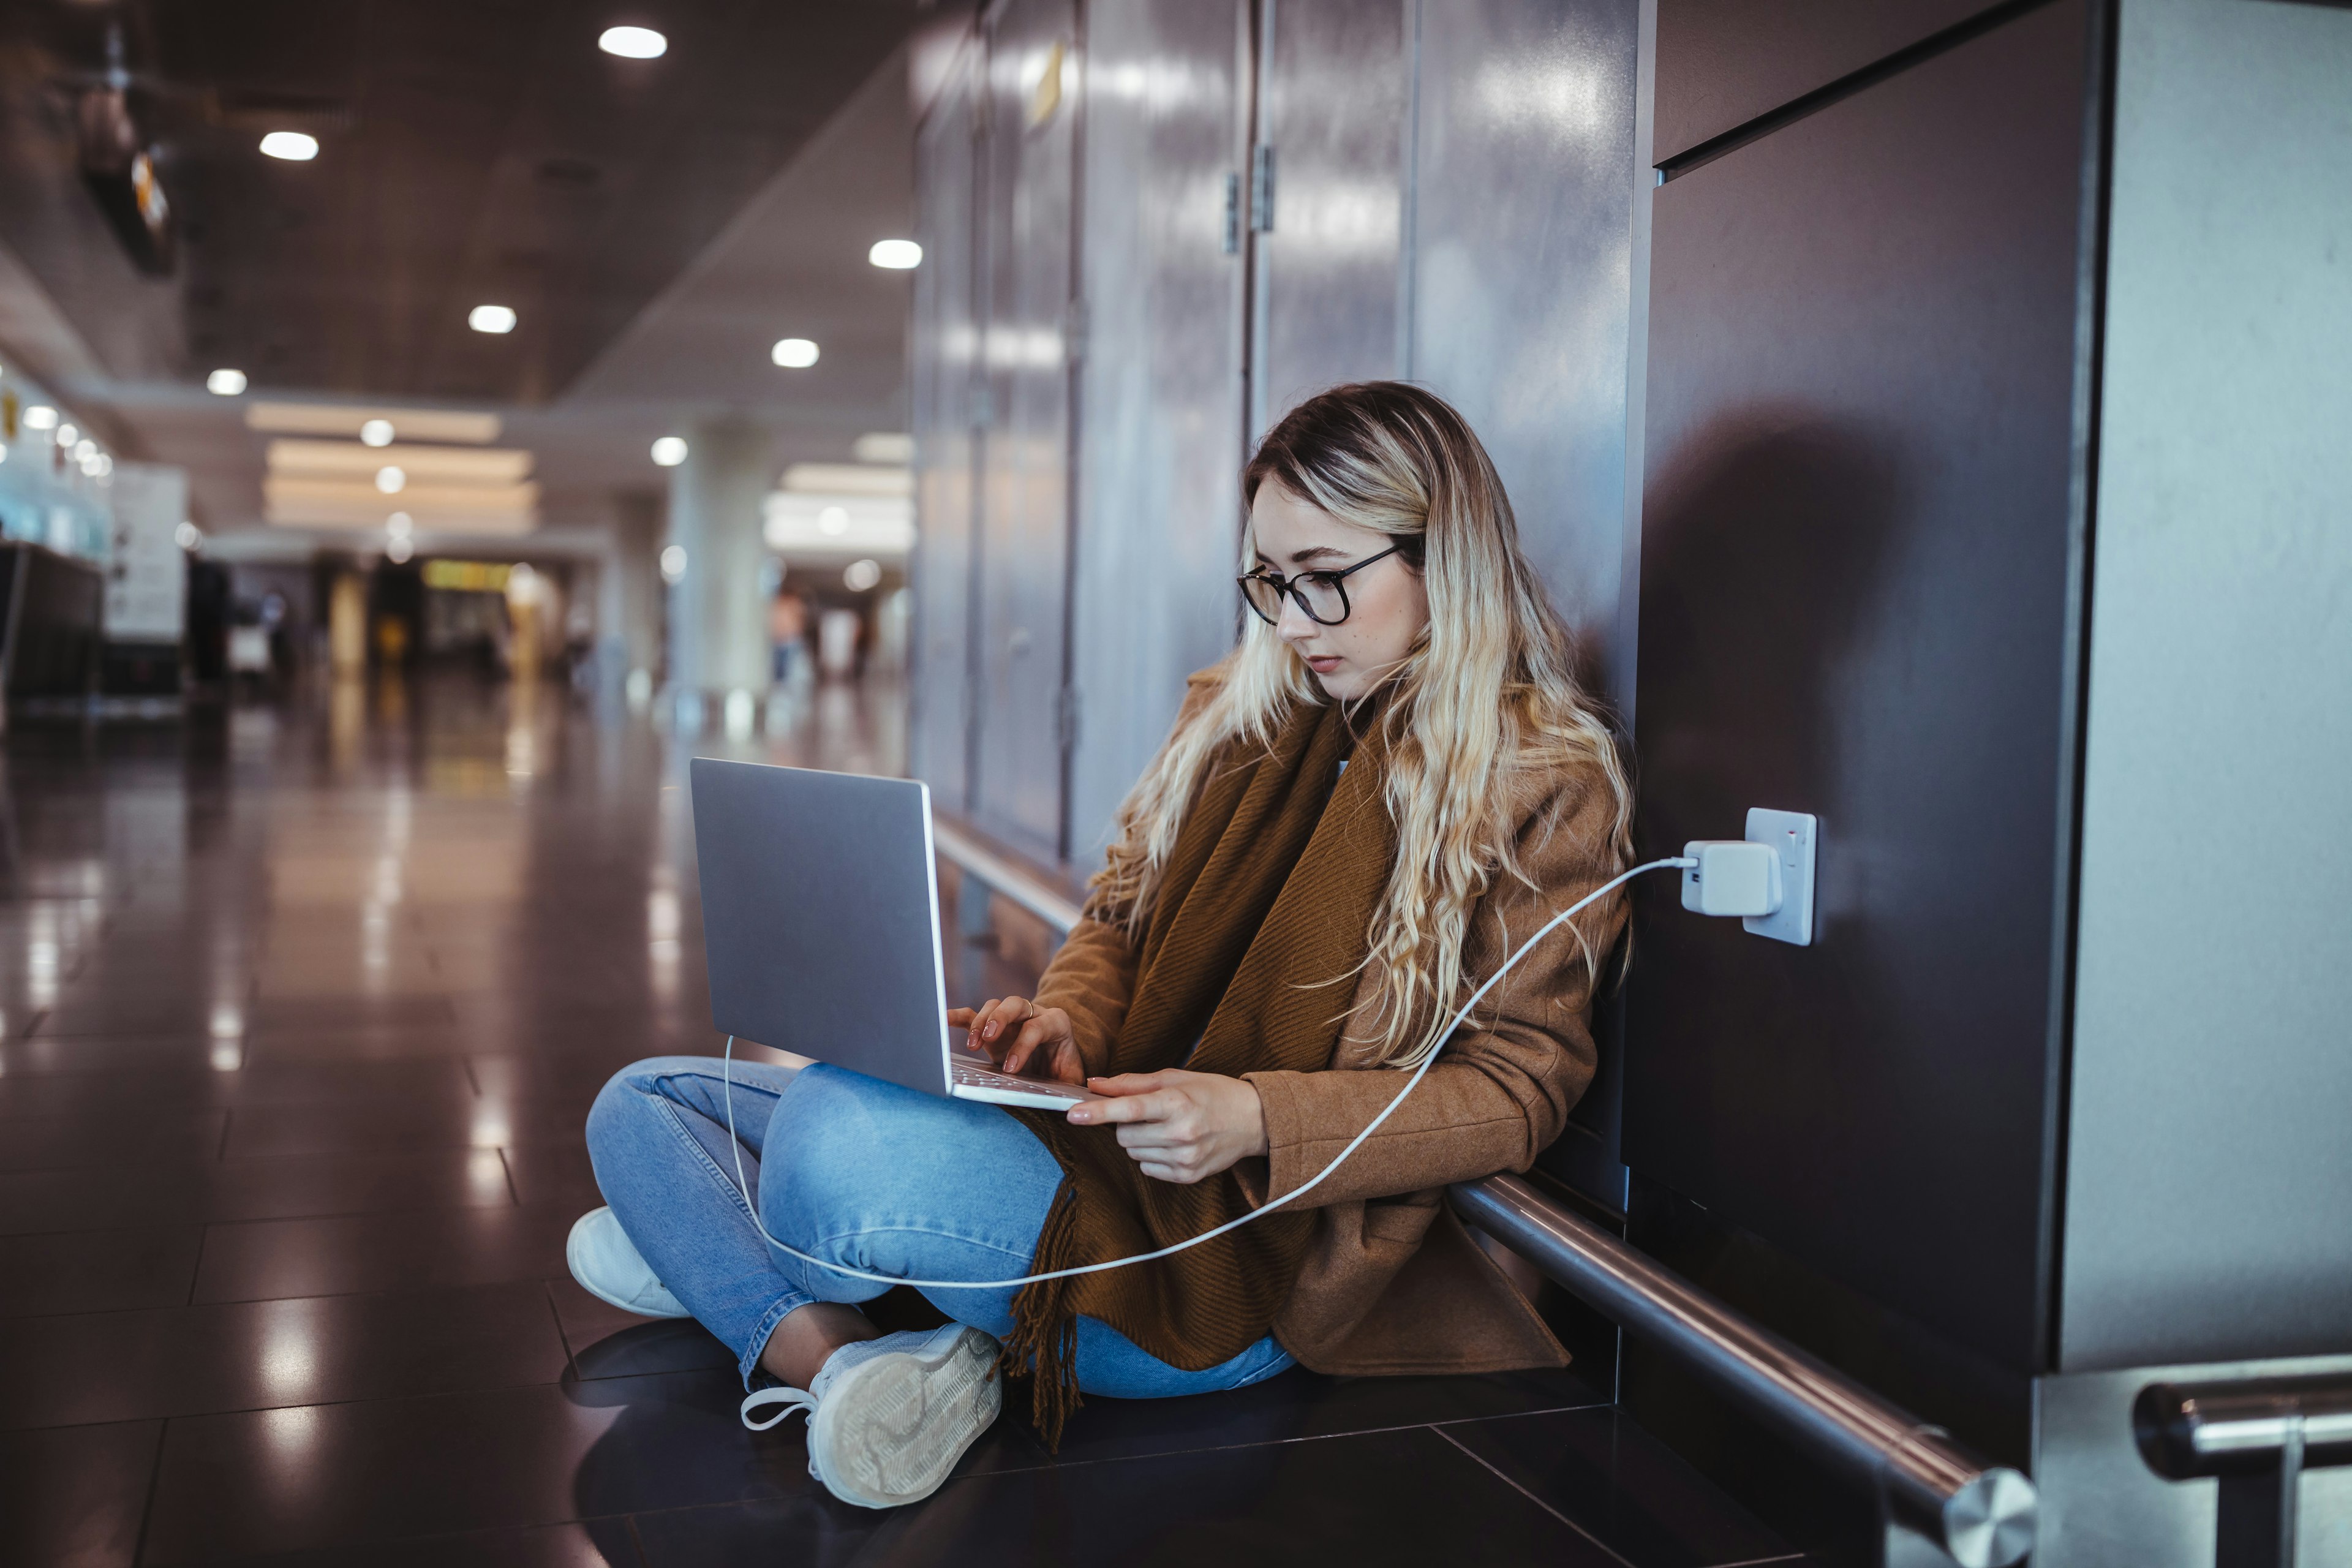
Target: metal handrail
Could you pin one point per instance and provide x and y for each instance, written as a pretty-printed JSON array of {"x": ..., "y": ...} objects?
[
  {"x": 1980, "y": 1514},
  {"x": 2256, "y": 1437}
]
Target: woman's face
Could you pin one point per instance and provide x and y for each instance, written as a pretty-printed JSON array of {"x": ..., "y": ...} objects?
[{"x": 1388, "y": 604}]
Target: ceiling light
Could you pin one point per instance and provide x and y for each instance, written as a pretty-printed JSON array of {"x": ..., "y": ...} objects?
[
  {"x": 187, "y": 536},
  {"x": 897, "y": 255},
  {"x": 85, "y": 450},
  {"x": 832, "y": 519},
  {"x": 376, "y": 433},
  {"x": 673, "y": 563},
  {"x": 68, "y": 435},
  {"x": 225, "y": 382},
  {"x": 40, "y": 416},
  {"x": 400, "y": 525},
  {"x": 794, "y": 353},
  {"x": 670, "y": 451},
  {"x": 633, "y": 43},
  {"x": 390, "y": 480},
  {"x": 397, "y": 550},
  {"x": 491, "y": 318},
  {"x": 294, "y": 146},
  {"x": 860, "y": 575}
]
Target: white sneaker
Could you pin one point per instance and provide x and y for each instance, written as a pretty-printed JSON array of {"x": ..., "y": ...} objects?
[
  {"x": 609, "y": 1267},
  {"x": 888, "y": 1419}
]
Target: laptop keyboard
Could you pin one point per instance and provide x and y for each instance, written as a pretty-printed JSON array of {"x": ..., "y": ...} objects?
[{"x": 968, "y": 1075}]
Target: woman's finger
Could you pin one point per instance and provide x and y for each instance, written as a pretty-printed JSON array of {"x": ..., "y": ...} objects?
[
  {"x": 960, "y": 1018},
  {"x": 1156, "y": 1106},
  {"x": 1024, "y": 1044},
  {"x": 1003, "y": 1014},
  {"x": 1124, "y": 1083}
]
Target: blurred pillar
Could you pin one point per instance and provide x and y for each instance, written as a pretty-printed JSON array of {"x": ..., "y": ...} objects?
[
  {"x": 717, "y": 623},
  {"x": 628, "y": 597}
]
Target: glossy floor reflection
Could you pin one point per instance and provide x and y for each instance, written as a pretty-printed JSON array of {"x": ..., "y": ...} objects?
[{"x": 301, "y": 1007}]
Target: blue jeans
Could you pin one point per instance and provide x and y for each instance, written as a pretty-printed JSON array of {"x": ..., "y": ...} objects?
[{"x": 857, "y": 1172}]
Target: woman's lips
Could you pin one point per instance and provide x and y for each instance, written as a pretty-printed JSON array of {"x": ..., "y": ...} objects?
[{"x": 1324, "y": 664}]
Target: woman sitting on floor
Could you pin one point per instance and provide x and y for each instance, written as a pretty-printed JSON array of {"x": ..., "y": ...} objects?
[{"x": 1390, "y": 782}]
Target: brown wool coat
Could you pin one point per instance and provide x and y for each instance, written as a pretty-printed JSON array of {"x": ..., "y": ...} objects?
[{"x": 1393, "y": 1282}]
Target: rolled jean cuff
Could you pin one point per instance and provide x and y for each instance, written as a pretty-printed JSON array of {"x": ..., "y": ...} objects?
[{"x": 785, "y": 1305}]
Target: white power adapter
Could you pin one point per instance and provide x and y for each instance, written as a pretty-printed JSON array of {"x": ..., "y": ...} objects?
[
  {"x": 1765, "y": 879},
  {"x": 1731, "y": 876}
]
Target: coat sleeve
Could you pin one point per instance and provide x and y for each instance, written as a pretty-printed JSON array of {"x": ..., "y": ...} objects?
[
  {"x": 1502, "y": 1087},
  {"x": 1092, "y": 978}
]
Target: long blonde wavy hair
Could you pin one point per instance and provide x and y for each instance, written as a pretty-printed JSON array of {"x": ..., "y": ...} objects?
[{"x": 1487, "y": 694}]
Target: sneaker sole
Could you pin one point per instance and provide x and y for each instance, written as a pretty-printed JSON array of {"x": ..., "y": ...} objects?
[{"x": 889, "y": 1432}]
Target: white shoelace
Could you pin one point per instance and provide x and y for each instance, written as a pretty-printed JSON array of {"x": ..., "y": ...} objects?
[{"x": 793, "y": 1400}]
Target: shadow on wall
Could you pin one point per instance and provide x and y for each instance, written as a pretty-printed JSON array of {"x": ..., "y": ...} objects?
[{"x": 1760, "y": 565}]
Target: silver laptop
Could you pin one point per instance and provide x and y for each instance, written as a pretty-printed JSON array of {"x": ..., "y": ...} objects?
[{"x": 821, "y": 916}]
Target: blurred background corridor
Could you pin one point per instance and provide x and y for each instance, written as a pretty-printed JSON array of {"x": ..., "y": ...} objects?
[{"x": 425, "y": 427}]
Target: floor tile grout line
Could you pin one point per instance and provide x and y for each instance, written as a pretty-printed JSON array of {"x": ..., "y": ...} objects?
[
  {"x": 556, "y": 1383},
  {"x": 1520, "y": 1415},
  {"x": 155, "y": 1485},
  {"x": 514, "y": 1193},
  {"x": 385, "y": 1291},
  {"x": 570, "y": 1356},
  {"x": 1492, "y": 1469},
  {"x": 196, "y": 1275}
]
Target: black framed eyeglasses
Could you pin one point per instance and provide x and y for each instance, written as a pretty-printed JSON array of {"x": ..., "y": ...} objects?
[{"x": 1322, "y": 594}]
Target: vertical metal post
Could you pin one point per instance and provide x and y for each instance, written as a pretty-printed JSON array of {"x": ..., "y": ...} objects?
[{"x": 2254, "y": 1526}]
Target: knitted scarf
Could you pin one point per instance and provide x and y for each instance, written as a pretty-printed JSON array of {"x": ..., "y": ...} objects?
[{"x": 1253, "y": 947}]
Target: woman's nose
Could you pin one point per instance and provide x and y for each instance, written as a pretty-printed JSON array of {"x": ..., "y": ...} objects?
[{"x": 1295, "y": 626}]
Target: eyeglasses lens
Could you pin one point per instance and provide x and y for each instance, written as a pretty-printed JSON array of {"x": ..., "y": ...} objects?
[{"x": 1325, "y": 601}]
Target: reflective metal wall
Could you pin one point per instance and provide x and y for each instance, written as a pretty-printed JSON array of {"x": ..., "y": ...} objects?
[
  {"x": 948, "y": 414},
  {"x": 1166, "y": 128}
]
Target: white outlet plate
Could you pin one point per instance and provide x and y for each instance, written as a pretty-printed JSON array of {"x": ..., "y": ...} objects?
[{"x": 1796, "y": 835}]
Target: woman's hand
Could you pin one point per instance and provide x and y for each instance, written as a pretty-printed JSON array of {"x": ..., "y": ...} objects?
[
  {"x": 1020, "y": 1036},
  {"x": 1179, "y": 1126}
]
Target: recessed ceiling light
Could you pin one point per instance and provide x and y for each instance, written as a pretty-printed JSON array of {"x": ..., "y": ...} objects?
[
  {"x": 389, "y": 479},
  {"x": 85, "y": 450},
  {"x": 794, "y": 353},
  {"x": 673, "y": 563},
  {"x": 294, "y": 146},
  {"x": 834, "y": 520},
  {"x": 397, "y": 549},
  {"x": 225, "y": 382},
  {"x": 491, "y": 318},
  {"x": 68, "y": 435},
  {"x": 40, "y": 416},
  {"x": 633, "y": 43},
  {"x": 187, "y": 536},
  {"x": 897, "y": 255},
  {"x": 400, "y": 525},
  {"x": 860, "y": 575},
  {"x": 376, "y": 433},
  {"x": 669, "y": 451}
]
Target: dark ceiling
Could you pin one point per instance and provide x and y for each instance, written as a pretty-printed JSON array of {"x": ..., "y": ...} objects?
[{"x": 471, "y": 152}]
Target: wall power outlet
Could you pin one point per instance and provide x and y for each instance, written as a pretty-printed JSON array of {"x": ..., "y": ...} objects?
[{"x": 1796, "y": 835}]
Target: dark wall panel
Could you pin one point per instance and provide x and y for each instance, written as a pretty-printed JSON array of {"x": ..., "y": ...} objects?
[
  {"x": 1854, "y": 601},
  {"x": 1721, "y": 63}
]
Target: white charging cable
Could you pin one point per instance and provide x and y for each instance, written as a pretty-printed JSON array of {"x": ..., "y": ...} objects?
[{"x": 1679, "y": 863}]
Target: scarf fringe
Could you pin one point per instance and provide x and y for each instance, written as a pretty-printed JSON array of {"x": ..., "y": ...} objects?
[{"x": 1044, "y": 1344}]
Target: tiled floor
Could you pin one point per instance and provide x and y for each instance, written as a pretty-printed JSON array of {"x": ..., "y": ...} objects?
[{"x": 303, "y": 1008}]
